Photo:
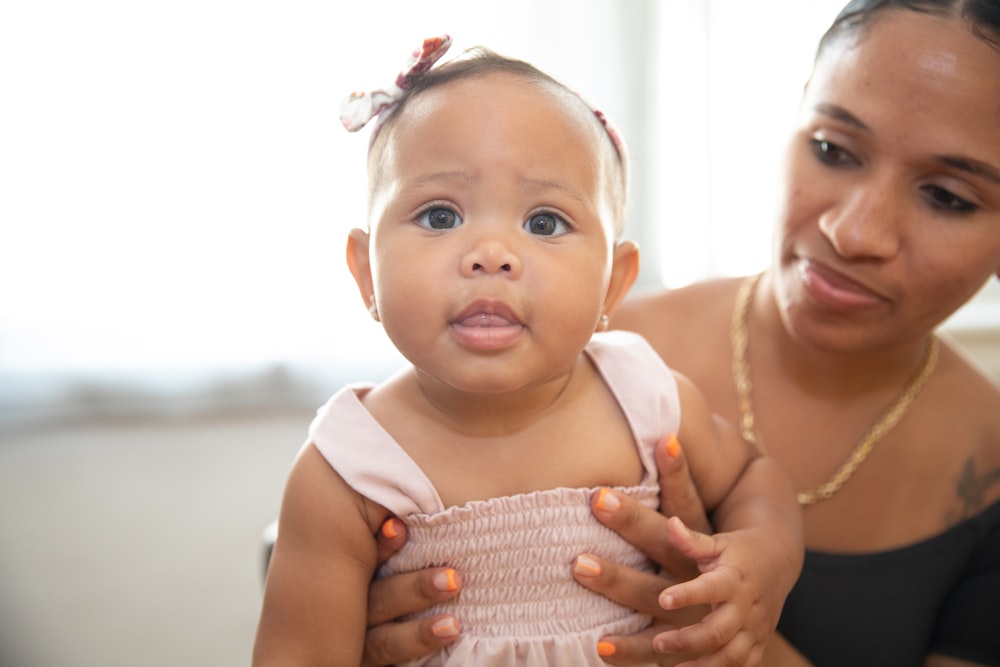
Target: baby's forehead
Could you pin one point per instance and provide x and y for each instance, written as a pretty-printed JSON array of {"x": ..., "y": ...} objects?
[
  {"x": 478, "y": 95},
  {"x": 493, "y": 86}
]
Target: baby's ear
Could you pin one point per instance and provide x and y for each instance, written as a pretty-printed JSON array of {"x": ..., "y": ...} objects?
[
  {"x": 360, "y": 264},
  {"x": 624, "y": 272}
]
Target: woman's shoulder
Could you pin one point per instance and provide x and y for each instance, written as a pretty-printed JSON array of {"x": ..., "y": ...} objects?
[
  {"x": 969, "y": 391},
  {"x": 687, "y": 326},
  {"x": 971, "y": 401},
  {"x": 651, "y": 312}
]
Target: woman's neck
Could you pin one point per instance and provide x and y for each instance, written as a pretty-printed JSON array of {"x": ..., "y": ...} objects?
[{"x": 818, "y": 371}]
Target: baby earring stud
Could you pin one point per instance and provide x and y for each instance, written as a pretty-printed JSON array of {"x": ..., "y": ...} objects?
[
  {"x": 373, "y": 308},
  {"x": 603, "y": 324}
]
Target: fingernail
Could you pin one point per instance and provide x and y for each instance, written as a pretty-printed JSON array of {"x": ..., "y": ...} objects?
[
  {"x": 666, "y": 601},
  {"x": 389, "y": 528},
  {"x": 586, "y": 566},
  {"x": 681, "y": 527},
  {"x": 445, "y": 580},
  {"x": 445, "y": 627},
  {"x": 605, "y": 649},
  {"x": 673, "y": 446},
  {"x": 607, "y": 501}
]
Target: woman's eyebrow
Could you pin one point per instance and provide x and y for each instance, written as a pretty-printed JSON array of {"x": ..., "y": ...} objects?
[
  {"x": 966, "y": 164},
  {"x": 841, "y": 114},
  {"x": 971, "y": 166}
]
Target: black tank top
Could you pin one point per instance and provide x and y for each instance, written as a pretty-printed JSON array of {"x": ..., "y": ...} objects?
[{"x": 941, "y": 595}]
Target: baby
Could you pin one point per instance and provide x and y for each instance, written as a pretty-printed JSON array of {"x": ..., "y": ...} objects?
[{"x": 493, "y": 260}]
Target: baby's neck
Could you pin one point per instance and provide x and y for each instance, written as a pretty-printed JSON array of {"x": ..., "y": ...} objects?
[{"x": 491, "y": 414}]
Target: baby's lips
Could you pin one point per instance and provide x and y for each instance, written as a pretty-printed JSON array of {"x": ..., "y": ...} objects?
[
  {"x": 487, "y": 313},
  {"x": 486, "y": 320}
]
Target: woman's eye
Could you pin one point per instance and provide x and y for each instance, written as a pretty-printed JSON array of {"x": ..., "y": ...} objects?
[
  {"x": 947, "y": 201},
  {"x": 546, "y": 224},
  {"x": 439, "y": 218},
  {"x": 830, "y": 153}
]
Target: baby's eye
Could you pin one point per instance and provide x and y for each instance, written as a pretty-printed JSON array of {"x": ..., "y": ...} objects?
[
  {"x": 546, "y": 224},
  {"x": 948, "y": 201},
  {"x": 439, "y": 218},
  {"x": 830, "y": 153}
]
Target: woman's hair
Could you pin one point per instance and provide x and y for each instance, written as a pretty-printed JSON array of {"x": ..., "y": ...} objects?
[
  {"x": 479, "y": 62},
  {"x": 982, "y": 16}
]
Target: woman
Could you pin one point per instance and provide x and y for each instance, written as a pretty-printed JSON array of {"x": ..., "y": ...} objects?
[{"x": 890, "y": 221}]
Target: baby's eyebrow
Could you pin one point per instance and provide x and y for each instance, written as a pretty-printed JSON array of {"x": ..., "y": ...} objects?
[
  {"x": 444, "y": 176},
  {"x": 549, "y": 184}
]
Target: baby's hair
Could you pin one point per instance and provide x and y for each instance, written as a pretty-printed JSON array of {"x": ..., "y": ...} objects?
[{"x": 480, "y": 62}]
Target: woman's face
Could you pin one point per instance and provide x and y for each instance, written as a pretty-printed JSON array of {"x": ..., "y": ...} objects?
[{"x": 890, "y": 216}]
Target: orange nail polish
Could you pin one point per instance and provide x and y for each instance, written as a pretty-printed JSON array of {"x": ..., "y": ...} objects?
[
  {"x": 586, "y": 566},
  {"x": 607, "y": 501},
  {"x": 389, "y": 528},
  {"x": 445, "y": 581},
  {"x": 673, "y": 446},
  {"x": 445, "y": 627},
  {"x": 605, "y": 649}
]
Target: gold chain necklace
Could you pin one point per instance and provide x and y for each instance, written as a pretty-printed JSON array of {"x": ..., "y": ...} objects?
[{"x": 740, "y": 340}]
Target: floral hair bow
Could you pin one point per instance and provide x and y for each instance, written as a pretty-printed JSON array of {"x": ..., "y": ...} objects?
[{"x": 359, "y": 108}]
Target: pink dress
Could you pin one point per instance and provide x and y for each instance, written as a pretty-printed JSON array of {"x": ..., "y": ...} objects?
[{"x": 519, "y": 603}]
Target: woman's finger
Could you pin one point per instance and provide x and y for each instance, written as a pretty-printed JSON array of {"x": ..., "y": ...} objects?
[
  {"x": 630, "y": 588},
  {"x": 393, "y": 643},
  {"x": 637, "y": 649},
  {"x": 390, "y": 538},
  {"x": 406, "y": 593},
  {"x": 678, "y": 495},
  {"x": 645, "y": 529}
]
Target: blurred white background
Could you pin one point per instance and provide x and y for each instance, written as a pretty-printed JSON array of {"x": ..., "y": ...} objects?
[
  {"x": 175, "y": 193},
  {"x": 177, "y": 189}
]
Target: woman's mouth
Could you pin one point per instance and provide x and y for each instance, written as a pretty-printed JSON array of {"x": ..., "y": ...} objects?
[{"x": 835, "y": 289}]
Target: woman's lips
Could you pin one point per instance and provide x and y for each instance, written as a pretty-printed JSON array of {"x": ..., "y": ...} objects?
[{"x": 835, "y": 289}]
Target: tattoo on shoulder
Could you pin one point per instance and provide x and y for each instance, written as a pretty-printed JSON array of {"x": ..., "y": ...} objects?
[{"x": 971, "y": 488}]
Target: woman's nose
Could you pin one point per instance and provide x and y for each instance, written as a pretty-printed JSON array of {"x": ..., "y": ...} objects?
[{"x": 866, "y": 223}]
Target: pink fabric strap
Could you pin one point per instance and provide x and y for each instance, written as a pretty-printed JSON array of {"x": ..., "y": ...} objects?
[{"x": 359, "y": 108}]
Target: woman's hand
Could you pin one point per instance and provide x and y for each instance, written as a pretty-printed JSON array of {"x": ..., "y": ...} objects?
[
  {"x": 722, "y": 617},
  {"x": 645, "y": 529},
  {"x": 388, "y": 642}
]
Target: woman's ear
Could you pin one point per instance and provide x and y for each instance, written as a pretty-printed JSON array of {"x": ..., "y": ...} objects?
[
  {"x": 624, "y": 272},
  {"x": 360, "y": 265}
]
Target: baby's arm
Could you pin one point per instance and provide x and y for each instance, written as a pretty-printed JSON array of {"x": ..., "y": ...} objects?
[
  {"x": 317, "y": 581},
  {"x": 749, "y": 567}
]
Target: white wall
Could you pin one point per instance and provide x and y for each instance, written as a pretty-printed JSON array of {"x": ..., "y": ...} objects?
[{"x": 175, "y": 187}]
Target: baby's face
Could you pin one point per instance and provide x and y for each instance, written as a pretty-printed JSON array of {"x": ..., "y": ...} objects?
[{"x": 492, "y": 232}]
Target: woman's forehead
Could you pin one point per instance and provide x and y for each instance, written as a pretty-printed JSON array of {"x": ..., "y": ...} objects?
[{"x": 916, "y": 67}]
